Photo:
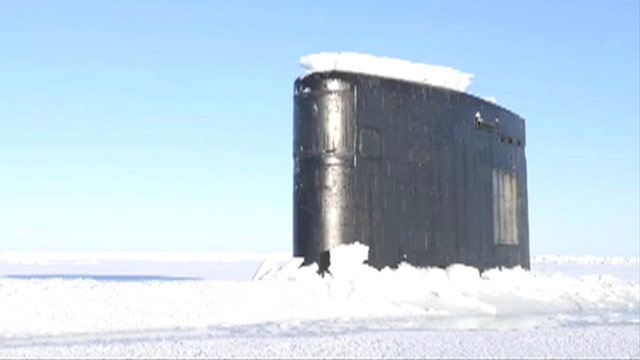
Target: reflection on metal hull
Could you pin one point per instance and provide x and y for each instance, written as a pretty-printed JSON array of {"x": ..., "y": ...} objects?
[{"x": 420, "y": 174}]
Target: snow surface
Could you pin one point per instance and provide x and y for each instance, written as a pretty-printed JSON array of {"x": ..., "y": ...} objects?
[
  {"x": 436, "y": 75},
  {"x": 564, "y": 307}
]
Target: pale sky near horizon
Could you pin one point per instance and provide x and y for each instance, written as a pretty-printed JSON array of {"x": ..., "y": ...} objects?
[{"x": 167, "y": 125}]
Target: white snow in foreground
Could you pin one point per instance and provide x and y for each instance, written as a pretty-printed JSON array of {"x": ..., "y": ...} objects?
[
  {"x": 290, "y": 311},
  {"x": 436, "y": 75}
]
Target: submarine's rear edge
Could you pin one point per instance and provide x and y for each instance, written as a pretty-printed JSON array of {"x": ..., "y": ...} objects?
[{"x": 420, "y": 174}]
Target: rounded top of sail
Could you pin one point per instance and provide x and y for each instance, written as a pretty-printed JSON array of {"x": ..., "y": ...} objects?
[{"x": 435, "y": 75}]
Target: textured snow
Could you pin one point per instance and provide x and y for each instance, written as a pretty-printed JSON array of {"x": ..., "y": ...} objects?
[
  {"x": 436, "y": 75},
  {"x": 571, "y": 307},
  {"x": 587, "y": 260}
]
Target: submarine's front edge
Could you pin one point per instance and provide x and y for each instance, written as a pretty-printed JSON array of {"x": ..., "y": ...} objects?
[{"x": 324, "y": 149}]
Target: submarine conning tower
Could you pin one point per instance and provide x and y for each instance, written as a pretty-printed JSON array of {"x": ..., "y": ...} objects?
[{"x": 419, "y": 173}]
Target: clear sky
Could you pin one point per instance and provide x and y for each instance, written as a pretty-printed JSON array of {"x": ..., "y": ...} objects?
[{"x": 167, "y": 125}]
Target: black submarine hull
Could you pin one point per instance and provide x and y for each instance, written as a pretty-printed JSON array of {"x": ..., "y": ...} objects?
[{"x": 420, "y": 174}]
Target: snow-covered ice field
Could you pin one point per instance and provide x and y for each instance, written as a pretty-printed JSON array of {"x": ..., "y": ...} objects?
[{"x": 264, "y": 305}]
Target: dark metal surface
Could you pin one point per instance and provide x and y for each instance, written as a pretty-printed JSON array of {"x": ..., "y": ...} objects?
[{"x": 420, "y": 174}]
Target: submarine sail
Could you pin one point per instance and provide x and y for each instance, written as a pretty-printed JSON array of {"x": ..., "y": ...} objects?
[{"x": 419, "y": 173}]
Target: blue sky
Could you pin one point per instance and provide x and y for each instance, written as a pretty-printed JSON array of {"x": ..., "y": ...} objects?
[{"x": 167, "y": 125}]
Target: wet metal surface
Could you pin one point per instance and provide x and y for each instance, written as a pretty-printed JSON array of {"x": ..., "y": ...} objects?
[{"x": 420, "y": 174}]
